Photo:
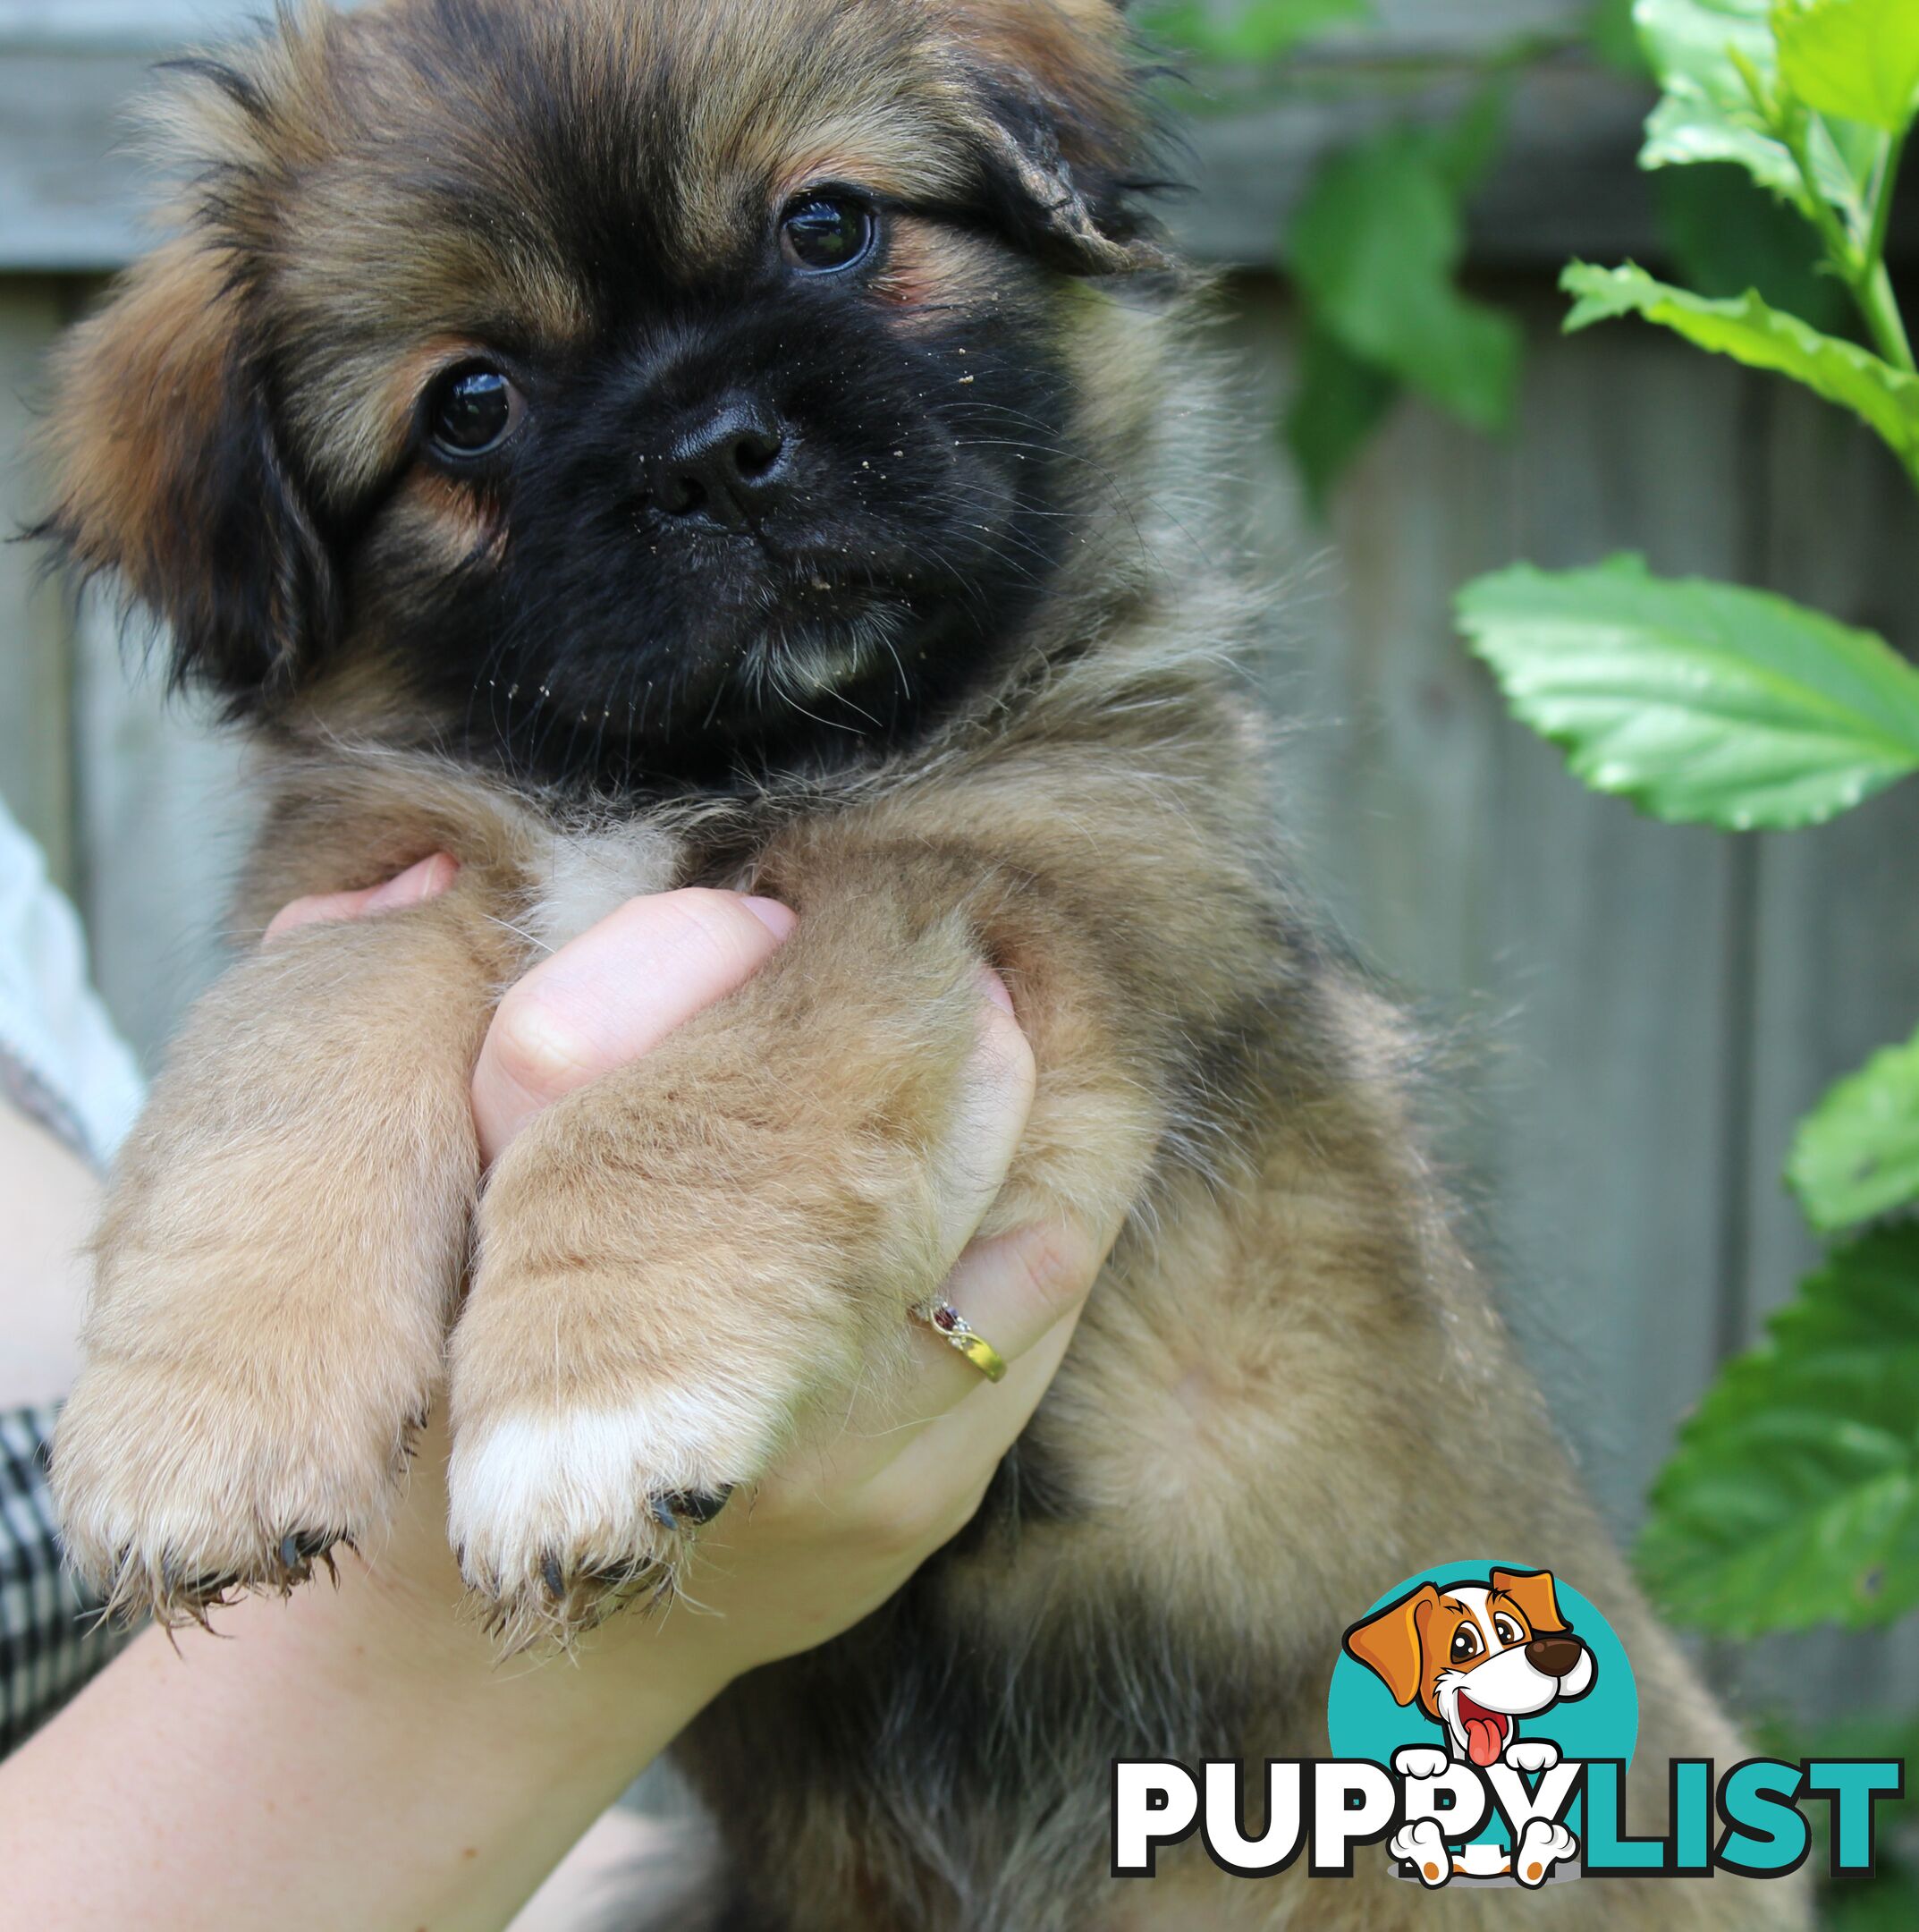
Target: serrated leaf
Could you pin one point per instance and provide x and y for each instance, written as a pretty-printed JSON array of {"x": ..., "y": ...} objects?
[
  {"x": 1793, "y": 1496},
  {"x": 1375, "y": 246},
  {"x": 1336, "y": 407},
  {"x": 1857, "y": 1155},
  {"x": 1681, "y": 133},
  {"x": 1761, "y": 337},
  {"x": 1703, "y": 52},
  {"x": 1858, "y": 59},
  {"x": 1253, "y": 30},
  {"x": 1700, "y": 702},
  {"x": 1699, "y": 48}
]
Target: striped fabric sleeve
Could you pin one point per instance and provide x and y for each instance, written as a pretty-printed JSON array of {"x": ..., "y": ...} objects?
[
  {"x": 53, "y": 1637},
  {"x": 63, "y": 1065}
]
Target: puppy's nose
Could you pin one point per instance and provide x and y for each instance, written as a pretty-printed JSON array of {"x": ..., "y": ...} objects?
[
  {"x": 727, "y": 470},
  {"x": 1555, "y": 1656}
]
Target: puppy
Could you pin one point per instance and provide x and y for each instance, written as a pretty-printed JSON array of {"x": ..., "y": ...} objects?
[{"x": 631, "y": 444}]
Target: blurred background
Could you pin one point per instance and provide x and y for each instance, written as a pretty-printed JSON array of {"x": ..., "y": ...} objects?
[{"x": 1639, "y": 1013}]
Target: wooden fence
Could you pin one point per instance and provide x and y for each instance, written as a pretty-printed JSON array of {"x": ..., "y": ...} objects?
[{"x": 1638, "y": 1015}]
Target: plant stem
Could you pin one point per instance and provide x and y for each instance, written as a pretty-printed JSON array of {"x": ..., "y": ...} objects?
[
  {"x": 1880, "y": 308},
  {"x": 1875, "y": 293},
  {"x": 1861, "y": 262}
]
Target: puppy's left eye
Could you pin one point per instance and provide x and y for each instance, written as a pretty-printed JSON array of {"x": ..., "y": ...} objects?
[
  {"x": 471, "y": 411},
  {"x": 825, "y": 233},
  {"x": 1507, "y": 1630}
]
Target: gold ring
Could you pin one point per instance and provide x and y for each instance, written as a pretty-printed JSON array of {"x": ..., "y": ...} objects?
[{"x": 948, "y": 1322}]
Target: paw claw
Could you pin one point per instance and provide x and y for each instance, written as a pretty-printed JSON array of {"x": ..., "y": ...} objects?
[
  {"x": 695, "y": 1506},
  {"x": 565, "y": 1604},
  {"x": 169, "y": 1515},
  {"x": 563, "y": 1519}
]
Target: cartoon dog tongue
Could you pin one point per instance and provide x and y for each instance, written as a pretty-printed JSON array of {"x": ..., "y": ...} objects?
[{"x": 1483, "y": 1733}]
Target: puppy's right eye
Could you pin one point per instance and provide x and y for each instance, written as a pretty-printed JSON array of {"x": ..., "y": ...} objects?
[
  {"x": 1466, "y": 1644},
  {"x": 471, "y": 411}
]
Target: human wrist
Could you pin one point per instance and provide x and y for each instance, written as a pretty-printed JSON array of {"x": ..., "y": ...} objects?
[{"x": 401, "y": 1633}]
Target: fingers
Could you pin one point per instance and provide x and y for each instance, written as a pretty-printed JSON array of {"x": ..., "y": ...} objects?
[
  {"x": 1014, "y": 1290},
  {"x": 613, "y": 996},
  {"x": 1025, "y": 1293},
  {"x": 997, "y": 1099},
  {"x": 1022, "y": 1293},
  {"x": 414, "y": 887}
]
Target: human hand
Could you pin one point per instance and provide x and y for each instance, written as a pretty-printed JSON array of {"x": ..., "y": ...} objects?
[
  {"x": 828, "y": 1537},
  {"x": 375, "y": 1716}
]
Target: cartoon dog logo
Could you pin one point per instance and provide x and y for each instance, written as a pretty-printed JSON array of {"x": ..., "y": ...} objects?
[{"x": 1478, "y": 1658}]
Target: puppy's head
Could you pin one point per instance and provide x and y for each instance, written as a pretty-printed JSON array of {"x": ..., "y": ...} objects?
[
  {"x": 1476, "y": 1657},
  {"x": 617, "y": 386}
]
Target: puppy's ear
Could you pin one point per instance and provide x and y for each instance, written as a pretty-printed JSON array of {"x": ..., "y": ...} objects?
[
  {"x": 1391, "y": 1644},
  {"x": 1063, "y": 130},
  {"x": 1532, "y": 1591},
  {"x": 168, "y": 474}
]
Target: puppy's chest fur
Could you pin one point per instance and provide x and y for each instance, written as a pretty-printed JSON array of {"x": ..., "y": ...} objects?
[{"x": 584, "y": 876}]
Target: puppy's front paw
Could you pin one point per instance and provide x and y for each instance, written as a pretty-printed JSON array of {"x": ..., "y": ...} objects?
[
  {"x": 1421, "y": 1761},
  {"x": 276, "y": 1267},
  {"x": 179, "y": 1487},
  {"x": 689, "y": 1264},
  {"x": 1532, "y": 1754},
  {"x": 563, "y": 1515},
  {"x": 628, "y": 1356}
]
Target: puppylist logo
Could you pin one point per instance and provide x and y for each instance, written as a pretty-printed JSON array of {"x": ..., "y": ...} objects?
[{"x": 1483, "y": 1717}]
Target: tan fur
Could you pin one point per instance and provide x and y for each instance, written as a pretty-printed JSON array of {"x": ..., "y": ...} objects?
[
  {"x": 1289, "y": 1390},
  {"x": 141, "y": 386}
]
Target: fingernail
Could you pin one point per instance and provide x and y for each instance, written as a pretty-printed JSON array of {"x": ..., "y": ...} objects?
[
  {"x": 777, "y": 918},
  {"x": 419, "y": 883},
  {"x": 995, "y": 989}
]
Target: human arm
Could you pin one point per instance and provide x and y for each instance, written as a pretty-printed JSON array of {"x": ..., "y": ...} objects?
[{"x": 356, "y": 1757}]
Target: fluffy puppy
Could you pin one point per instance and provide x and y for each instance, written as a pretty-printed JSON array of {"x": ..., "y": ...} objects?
[{"x": 640, "y": 443}]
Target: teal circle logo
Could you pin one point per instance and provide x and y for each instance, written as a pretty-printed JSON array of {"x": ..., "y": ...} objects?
[{"x": 1474, "y": 1658}]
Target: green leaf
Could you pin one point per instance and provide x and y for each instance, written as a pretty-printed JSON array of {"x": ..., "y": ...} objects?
[
  {"x": 1375, "y": 246},
  {"x": 1339, "y": 405},
  {"x": 1761, "y": 337},
  {"x": 1253, "y": 31},
  {"x": 1793, "y": 1496},
  {"x": 1465, "y": 150},
  {"x": 1703, "y": 49},
  {"x": 1701, "y": 53},
  {"x": 1700, "y": 702},
  {"x": 1859, "y": 1155},
  {"x": 1614, "y": 39},
  {"x": 1858, "y": 59},
  {"x": 1728, "y": 237},
  {"x": 1707, "y": 56},
  {"x": 1886, "y": 1902}
]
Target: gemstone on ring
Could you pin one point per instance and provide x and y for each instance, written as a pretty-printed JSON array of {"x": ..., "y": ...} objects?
[{"x": 952, "y": 1324}]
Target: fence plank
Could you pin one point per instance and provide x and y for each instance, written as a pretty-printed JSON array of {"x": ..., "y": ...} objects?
[
  {"x": 1580, "y": 947},
  {"x": 36, "y": 777},
  {"x": 72, "y": 187},
  {"x": 162, "y": 819}
]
